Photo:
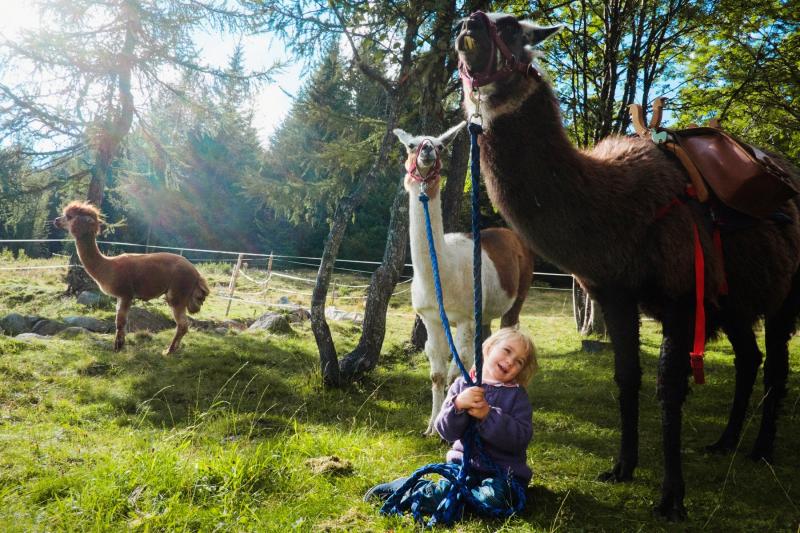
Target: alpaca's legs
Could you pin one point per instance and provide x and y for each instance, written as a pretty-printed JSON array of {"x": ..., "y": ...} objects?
[
  {"x": 465, "y": 344},
  {"x": 673, "y": 370},
  {"x": 123, "y": 306},
  {"x": 748, "y": 359},
  {"x": 438, "y": 352},
  {"x": 778, "y": 329},
  {"x": 622, "y": 320},
  {"x": 182, "y": 326}
]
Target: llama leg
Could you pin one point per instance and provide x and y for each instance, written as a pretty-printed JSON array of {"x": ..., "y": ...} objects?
[
  {"x": 748, "y": 358},
  {"x": 182, "y": 326},
  {"x": 123, "y": 306},
  {"x": 778, "y": 329},
  {"x": 465, "y": 344},
  {"x": 673, "y": 371},
  {"x": 437, "y": 351},
  {"x": 622, "y": 320}
]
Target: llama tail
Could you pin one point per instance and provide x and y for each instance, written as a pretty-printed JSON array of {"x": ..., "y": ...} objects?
[{"x": 199, "y": 294}]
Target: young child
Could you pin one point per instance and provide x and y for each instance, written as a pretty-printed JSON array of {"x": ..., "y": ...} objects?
[{"x": 504, "y": 413}]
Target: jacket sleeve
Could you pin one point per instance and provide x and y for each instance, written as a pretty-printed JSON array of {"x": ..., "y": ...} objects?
[
  {"x": 451, "y": 422},
  {"x": 512, "y": 429}
]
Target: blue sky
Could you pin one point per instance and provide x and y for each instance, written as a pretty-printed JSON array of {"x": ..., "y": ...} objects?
[{"x": 271, "y": 102}]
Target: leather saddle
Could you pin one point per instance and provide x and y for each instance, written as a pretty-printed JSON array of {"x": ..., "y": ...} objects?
[{"x": 740, "y": 175}]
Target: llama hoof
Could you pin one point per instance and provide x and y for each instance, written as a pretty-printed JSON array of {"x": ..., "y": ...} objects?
[
  {"x": 618, "y": 474},
  {"x": 671, "y": 511},
  {"x": 760, "y": 454}
]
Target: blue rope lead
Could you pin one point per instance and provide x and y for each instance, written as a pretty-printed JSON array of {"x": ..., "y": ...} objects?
[
  {"x": 437, "y": 284},
  {"x": 475, "y": 176},
  {"x": 452, "y": 505}
]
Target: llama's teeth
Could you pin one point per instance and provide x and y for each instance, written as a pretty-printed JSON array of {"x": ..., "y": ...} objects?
[{"x": 469, "y": 42}]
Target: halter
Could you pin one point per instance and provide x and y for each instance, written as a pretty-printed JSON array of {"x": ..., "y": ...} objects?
[
  {"x": 492, "y": 73},
  {"x": 411, "y": 166}
]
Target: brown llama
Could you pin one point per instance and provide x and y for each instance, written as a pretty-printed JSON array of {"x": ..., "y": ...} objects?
[
  {"x": 507, "y": 268},
  {"x": 600, "y": 215},
  {"x": 130, "y": 276}
]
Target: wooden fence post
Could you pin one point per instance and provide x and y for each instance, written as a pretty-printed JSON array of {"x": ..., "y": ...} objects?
[
  {"x": 232, "y": 286},
  {"x": 269, "y": 275}
]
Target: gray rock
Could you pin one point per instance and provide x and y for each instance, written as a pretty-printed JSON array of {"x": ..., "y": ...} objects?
[
  {"x": 14, "y": 323},
  {"x": 234, "y": 324},
  {"x": 31, "y": 337},
  {"x": 284, "y": 300},
  {"x": 331, "y": 313},
  {"x": 46, "y": 326},
  {"x": 140, "y": 319},
  {"x": 90, "y": 323},
  {"x": 95, "y": 299},
  {"x": 298, "y": 314},
  {"x": 72, "y": 332},
  {"x": 272, "y": 322}
]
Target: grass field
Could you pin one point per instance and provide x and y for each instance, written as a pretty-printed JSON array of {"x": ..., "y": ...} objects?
[{"x": 223, "y": 436}]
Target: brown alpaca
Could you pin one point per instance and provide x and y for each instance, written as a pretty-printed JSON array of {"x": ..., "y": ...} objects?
[
  {"x": 596, "y": 214},
  {"x": 130, "y": 276}
]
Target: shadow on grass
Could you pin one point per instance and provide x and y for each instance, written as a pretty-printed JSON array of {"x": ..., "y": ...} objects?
[{"x": 248, "y": 374}]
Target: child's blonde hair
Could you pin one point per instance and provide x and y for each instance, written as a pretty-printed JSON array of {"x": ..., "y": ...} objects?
[{"x": 531, "y": 365}]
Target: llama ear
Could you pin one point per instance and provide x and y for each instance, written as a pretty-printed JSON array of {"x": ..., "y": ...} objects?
[
  {"x": 450, "y": 134},
  {"x": 404, "y": 137},
  {"x": 536, "y": 34}
]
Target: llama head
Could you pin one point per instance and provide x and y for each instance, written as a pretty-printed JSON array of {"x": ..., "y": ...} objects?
[
  {"x": 495, "y": 51},
  {"x": 80, "y": 219},
  {"x": 424, "y": 157}
]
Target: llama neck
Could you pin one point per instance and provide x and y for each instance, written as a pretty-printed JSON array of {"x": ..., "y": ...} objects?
[
  {"x": 541, "y": 183},
  {"x": 420, "y": 255},
  {"x": 92, "y": 259}
]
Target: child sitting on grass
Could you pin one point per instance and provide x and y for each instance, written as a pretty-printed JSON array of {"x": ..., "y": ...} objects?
[{"x": 504, "y": 413}]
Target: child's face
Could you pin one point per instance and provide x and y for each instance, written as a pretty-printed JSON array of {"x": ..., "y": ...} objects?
[{"x": 504, "y": 360}]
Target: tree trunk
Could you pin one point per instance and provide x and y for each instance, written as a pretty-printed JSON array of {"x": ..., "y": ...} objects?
[
  {"x": 329, "y": 363},
  {"x": 589, "y": 318},
  {"x": 77, "y": 279},
  {"x": 365, "y": 356},
  {"x": 112, "y": 132},
  {"x": 419, "y": 335}
]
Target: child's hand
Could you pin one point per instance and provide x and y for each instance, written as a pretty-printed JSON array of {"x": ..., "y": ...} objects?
[
  {"x": 471, "y": 398},
  {"x": 480, "y": 412}
]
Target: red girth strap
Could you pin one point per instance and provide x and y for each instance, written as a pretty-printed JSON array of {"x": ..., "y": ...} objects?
[
  {"x": 696, "y": 355},
  {"x": 699, "y": 344}
]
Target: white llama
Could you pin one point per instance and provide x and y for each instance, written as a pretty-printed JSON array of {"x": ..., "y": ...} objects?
[{"x": 506, "y": 273}]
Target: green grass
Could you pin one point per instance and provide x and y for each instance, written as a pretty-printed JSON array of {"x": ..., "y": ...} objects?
[{"x": 219, "y": 437}]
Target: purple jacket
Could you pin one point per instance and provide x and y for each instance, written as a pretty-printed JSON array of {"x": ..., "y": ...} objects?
[{"x": 505, "y": 433}]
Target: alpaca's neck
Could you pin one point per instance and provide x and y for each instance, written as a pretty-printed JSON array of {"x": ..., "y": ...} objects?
[
  {"x": 420, "y": 255},
  {"x": 95, "y": 263}
]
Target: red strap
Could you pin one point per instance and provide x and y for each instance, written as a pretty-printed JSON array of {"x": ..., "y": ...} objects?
[{"x": 696, "y": 354}]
